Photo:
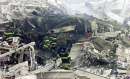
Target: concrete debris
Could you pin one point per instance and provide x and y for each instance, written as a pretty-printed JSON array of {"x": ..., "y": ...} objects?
[{"x": 40, "y": 41}]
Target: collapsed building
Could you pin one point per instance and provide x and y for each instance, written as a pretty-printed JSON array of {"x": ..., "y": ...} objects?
[{"x": 44, "y": 42}]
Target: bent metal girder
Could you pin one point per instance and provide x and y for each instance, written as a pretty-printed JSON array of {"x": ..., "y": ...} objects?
[{"x": 19, "y": 50}]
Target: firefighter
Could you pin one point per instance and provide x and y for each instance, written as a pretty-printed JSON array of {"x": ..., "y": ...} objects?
[
  {"x": 8, "y": 34},
  {"x": 49, "y": 43},
  {"x": 46, "y": 44},
  {"x": 66, "y": 62},
  {"x": 64, "y": 57}
]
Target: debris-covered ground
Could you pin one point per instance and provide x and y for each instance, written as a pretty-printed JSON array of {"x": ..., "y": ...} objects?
[{"x": 40, "y": 40}]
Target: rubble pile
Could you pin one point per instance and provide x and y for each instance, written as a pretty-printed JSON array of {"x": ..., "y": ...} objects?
[{"x": 39, "y": 40}]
